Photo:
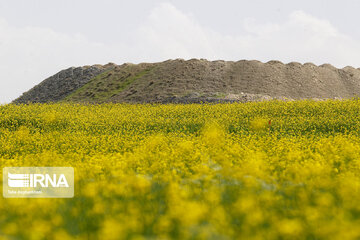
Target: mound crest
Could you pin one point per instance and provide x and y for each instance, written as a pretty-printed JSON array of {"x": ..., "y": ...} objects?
[{"x": 196, "y": 80}]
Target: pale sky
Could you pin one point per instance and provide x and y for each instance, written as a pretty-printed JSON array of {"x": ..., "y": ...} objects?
[{"x": 38, "y": 38}]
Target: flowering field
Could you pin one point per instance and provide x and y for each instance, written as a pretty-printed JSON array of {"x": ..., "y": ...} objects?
[{"x": 269, "y": 170}]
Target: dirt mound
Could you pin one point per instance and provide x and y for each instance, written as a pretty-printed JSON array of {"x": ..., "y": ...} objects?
[
  {"x": 199, "y": 80},
  {"x": 58, "y": 86}
]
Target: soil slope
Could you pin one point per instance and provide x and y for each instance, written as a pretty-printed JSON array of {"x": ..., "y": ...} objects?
[{"x": 195, "y": 80}]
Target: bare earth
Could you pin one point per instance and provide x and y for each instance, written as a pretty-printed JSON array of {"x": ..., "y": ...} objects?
[{"x": 180, "y": 81}]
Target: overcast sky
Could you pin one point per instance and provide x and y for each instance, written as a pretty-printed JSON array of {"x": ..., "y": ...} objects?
[{"x": 38, "y": 38}]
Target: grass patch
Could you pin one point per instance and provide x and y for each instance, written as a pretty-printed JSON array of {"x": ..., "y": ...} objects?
[
  {"x": 79, "y": 92},
  {"x": 107, "y": 84}
]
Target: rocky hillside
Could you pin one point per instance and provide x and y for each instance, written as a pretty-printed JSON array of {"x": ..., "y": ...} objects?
[
  {"x": 57, "y": 87},
  {"x": 181, "y": 81}
]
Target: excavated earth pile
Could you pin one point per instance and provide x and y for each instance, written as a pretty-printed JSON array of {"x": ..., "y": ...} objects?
[{"x": 193, "y": 81}]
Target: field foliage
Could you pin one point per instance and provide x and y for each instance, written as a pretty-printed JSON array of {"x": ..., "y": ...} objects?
[{"x": 269, "y": 170}]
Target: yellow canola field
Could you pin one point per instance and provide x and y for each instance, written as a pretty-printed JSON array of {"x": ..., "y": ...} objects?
[{"x": 267, "y": 170}]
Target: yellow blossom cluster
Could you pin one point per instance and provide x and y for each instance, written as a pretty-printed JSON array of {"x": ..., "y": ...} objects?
[{"x": 265, "y": 170}]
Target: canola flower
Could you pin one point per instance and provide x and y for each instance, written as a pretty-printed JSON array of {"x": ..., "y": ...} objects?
[{"x": 267, "y": 170}]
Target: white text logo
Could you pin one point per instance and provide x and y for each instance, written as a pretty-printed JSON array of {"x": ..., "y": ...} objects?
[
  {"x": 38, "y": 182},
  {"x": 34, "y": 180}
]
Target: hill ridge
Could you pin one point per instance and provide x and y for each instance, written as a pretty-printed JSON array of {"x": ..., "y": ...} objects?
[{"x": 196, "y": 80}]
